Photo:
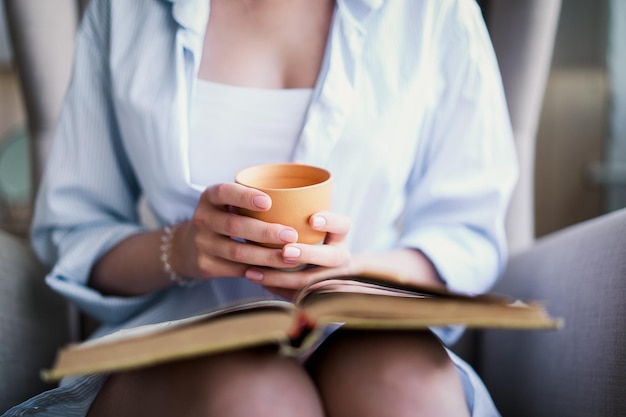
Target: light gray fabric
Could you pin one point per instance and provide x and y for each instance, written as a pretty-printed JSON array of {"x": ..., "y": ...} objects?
[
  {"x": 42, "y": 36},
  {"x": 580, "y": 370},
  {"x": 33, "y": 322},
  {"x": 523, "y": 32}
]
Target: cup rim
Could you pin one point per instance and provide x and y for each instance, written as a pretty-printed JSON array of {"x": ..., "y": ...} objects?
[{"x": 239, "y": 176}]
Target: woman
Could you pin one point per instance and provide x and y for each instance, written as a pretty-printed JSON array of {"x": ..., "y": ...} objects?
[{"x": 170, "y": 98}]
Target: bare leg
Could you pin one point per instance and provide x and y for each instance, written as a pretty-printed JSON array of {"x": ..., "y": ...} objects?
[
  {"x": 378, "y": 373},
  {"x": 247, "y": 383}
]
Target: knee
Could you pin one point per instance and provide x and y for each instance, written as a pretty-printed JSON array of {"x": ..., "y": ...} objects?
[
  {"x": 256, "y": 373},
  {"x": 378, "y": 371},
  {"x": 388, "y": 357},
  {"x": 259, "y": 383},
  {"x": 247, "y": 383}
]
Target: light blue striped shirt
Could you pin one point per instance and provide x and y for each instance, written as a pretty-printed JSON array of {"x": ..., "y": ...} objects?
[{"x": 408, "y": 113}]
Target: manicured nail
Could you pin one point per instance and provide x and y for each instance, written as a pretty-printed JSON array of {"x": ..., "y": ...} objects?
[
  {"x": 318, "y": 222},
  {"x": 254, "y": 275},
  {"x": 262, "y": 202},
  {"x": 291, "y": 252},
  {"x": 288, "y": 235}
]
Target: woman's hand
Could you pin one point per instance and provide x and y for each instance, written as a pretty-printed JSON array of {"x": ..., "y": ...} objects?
[
  {"x": 204, "y": 248},
  {"x": 211, "y": 244},
  {"x": 331, "y": 258}
]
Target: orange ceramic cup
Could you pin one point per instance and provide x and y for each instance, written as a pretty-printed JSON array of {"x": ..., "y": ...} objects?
[{"x": 297, "y": 191}]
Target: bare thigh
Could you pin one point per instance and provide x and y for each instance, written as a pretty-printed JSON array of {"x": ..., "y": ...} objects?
[
  {"x": 252, "y": 382},
  {"x": 387, "y": 373}
]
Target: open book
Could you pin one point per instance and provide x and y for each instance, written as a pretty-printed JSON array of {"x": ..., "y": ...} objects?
[{"x": 363, "y": 301}]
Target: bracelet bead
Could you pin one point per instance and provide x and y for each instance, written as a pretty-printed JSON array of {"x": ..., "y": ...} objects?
[{"x": 166, "y": 248}]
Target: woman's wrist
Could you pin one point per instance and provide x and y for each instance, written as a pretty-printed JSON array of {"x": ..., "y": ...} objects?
[
  {"x": 407, "y": 264},
  {"x": 171, "y": 269}
]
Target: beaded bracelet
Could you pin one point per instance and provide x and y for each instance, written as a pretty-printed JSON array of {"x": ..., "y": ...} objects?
[{"x": 166, "y": 248}]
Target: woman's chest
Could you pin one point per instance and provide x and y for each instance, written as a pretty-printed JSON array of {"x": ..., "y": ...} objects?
[{"x": 265, "y": 44}]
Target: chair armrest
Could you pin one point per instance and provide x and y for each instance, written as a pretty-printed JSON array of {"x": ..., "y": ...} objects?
[
  {"x": 33, "y": 322},
  {"x": 580, "y": 370}
]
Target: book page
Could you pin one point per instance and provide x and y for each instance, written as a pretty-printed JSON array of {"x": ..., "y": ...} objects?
[
  {"x": 370, "y": 283},
  {"x": 374, "y": 301},
  {"x": 369, "y": 310},
  {"x": 145, "y": 330},
  {"x": 353, "y": 286}
]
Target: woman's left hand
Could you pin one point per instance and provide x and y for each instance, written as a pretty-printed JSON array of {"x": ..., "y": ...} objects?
[{"x": 331, "y": 258}]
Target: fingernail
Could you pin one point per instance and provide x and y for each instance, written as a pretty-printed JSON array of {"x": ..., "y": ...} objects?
[
  {"x": 291, "y": 252},
  {"x": 254, "y": 275},
  {"x": 288, "y": 235},
  {"x": 262, "y": 202},
  {"x": 318, "y": 222}
]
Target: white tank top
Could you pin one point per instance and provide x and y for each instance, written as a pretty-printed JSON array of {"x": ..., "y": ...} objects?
[{"x": 233, "y": 127}]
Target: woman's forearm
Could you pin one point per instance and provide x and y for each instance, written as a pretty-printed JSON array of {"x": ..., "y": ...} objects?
[
  {"x": 408, "y": 265},
  {"x": 132, "y": 267}
]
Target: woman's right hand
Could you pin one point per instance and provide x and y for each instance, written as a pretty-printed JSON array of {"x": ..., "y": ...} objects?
[{"x": 212, "y": 243}]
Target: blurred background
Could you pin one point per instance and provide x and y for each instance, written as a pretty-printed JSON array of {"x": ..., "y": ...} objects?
[
  {"x": 580, "y": 169},
  {"x": 14, "y": 158}
]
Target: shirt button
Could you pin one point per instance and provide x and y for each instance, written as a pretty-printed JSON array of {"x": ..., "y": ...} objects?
[{"x": 33, "y": 410}]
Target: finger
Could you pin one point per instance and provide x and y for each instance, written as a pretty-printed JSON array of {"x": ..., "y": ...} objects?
[
  {"x": 289, "y": 281},
  {"x": 282, "y": 292},
  {"x": 322, "y": 255},
  {"x": 243, "y": 253},
  {"x": 336, "y": 225},
  {"x": 208, "y": 267},
  {"x": 205, "y": 265},
  {"x": 235, "y": 225},
  {"x": 233, "y": 194},
  {"x": 213, "y": 267}
]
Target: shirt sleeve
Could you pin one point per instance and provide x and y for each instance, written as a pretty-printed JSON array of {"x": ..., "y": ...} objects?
[
  {"x": 459, "y": 192},
  {"x": 87, "y": 201}
]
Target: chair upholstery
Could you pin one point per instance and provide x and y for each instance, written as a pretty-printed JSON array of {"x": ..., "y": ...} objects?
[
  {"x": 579, "y": 370},
  {"x": 33, "y": 322}
]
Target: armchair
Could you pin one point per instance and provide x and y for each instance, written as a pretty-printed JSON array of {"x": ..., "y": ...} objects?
[
  {"x": 33, "y": 322},
  {"x": 580, "y": 370},
  {"x": 580, "y": 272}
]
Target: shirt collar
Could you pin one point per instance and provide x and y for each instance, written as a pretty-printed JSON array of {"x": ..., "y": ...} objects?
[
  {"x": 192, "y": 14},
  {"x": 360, "y": 10}
]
